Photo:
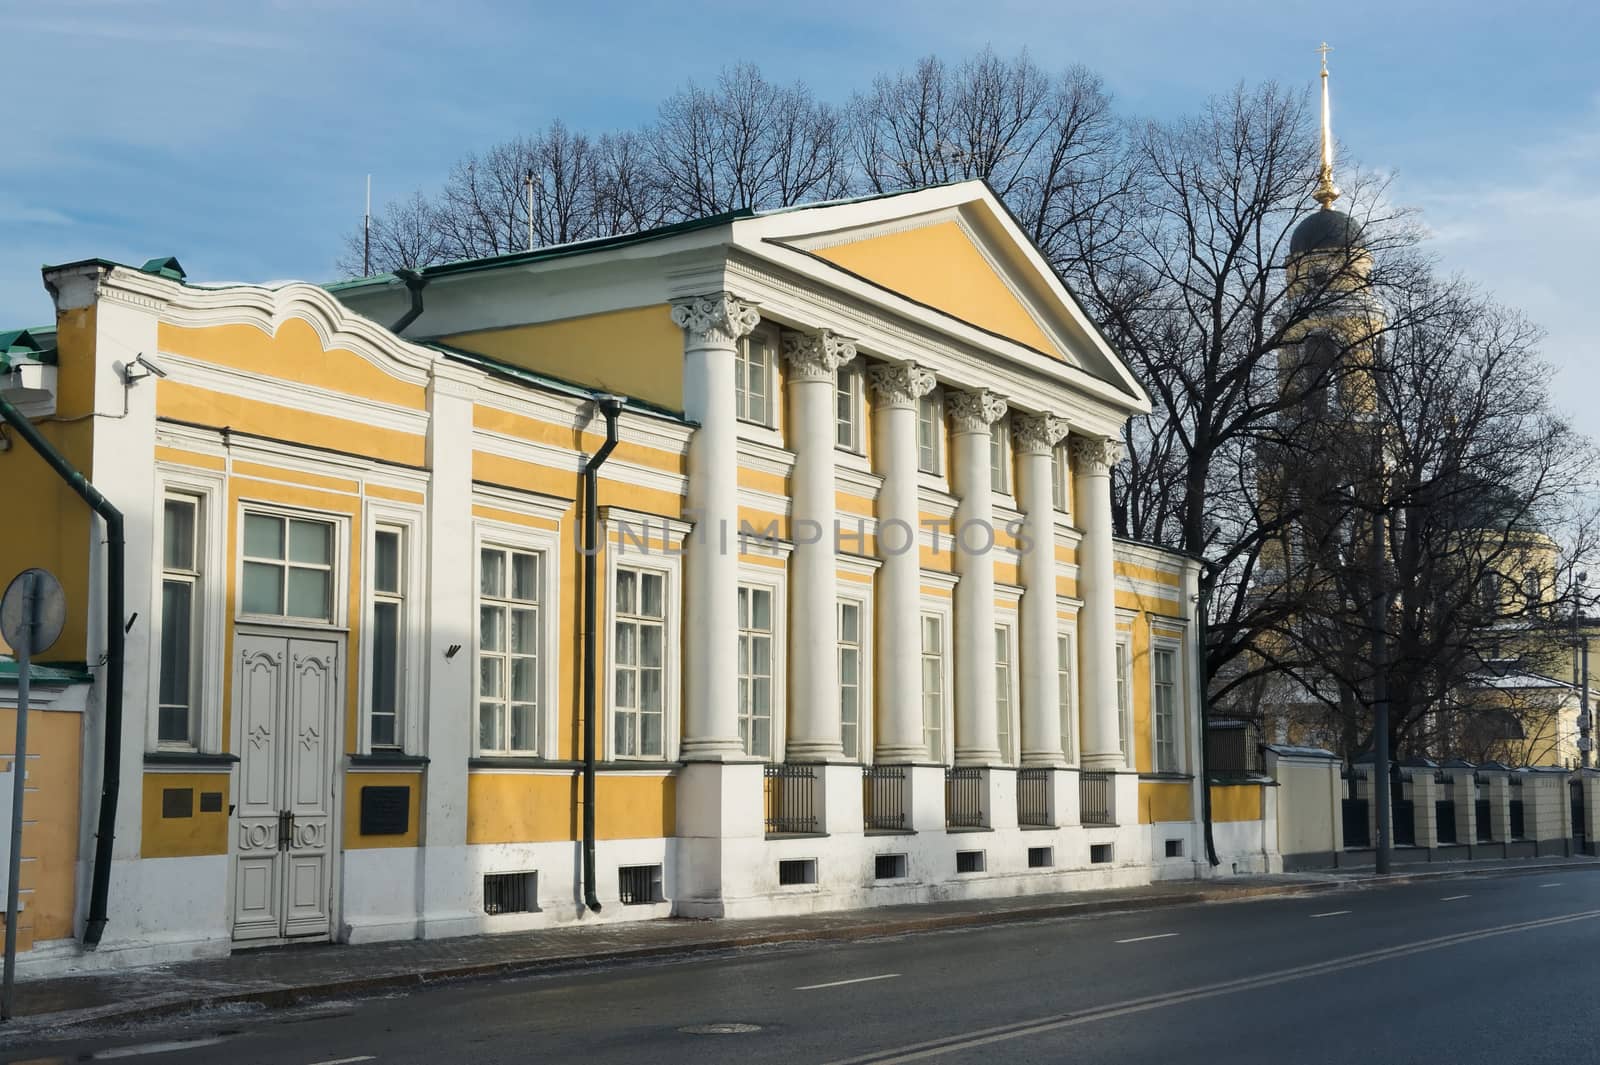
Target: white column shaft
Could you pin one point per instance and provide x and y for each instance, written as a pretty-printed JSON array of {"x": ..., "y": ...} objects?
[
  {"x": 1097, "y": 633},
  {"x": 977, "y": 734},
  {"x": 1041, "y": 683}
]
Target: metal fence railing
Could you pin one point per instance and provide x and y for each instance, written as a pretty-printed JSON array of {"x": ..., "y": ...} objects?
[
  {"x": 963, "y": 797},
  {"x": 883, "y": 798},
  {"x": 790, "y": 799},
  {"x": 1357, "y": 833},
  {"x": 1233, "y": 749},
  {"x": 1518, "y": 822},
  {"x": 1094, "y": 798},
  {"x": 1444, "y": 820},
  {"x": 1033, "y": 797}
]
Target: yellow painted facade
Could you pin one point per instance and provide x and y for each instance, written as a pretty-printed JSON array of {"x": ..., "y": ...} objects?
[
  {"x": 1163, "y": 801},
  {"x": 545, "y": 807},
  {"x": 49, "y": 821},
  {"x": 185, "y": 835},
  {"x": 1236, "y": 802},
  {"x": 354, "y": 782}
]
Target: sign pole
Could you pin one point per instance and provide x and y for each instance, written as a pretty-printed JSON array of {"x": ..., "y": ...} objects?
[{"x": 19, "y": 776}]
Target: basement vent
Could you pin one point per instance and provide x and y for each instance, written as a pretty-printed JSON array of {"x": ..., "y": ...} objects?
[
  {"x": 1041, "y": 857},
  {"x": 1174, "y": 848},
  {"x": 793, "y": 871},
  {"x": 889, "y": 867},
  {"x": 639, "y": 885},
  {"x": 511, "y": 893},
  {"x": 969, "y": 861},
  {"x": 1099, "y": 853}
]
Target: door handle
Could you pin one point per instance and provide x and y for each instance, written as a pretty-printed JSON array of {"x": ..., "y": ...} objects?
[{"x": 285, "y": 828}]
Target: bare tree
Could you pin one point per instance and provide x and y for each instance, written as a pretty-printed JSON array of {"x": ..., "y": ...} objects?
[{"x": 405, "y": 234}]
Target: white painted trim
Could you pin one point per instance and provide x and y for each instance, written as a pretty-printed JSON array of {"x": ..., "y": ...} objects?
[
  {"x": 776, "y": 579},
  {"x": 547, "y": 543},
  {"x": 277, "y": 392},
  {"x": 945, "y": 609},
  {"x": 210, "y": 638},
  {"x": 866, "y": 725},
  {"x": 1180, "y": 698},
  {"x": 671, "y": 568},
  {"x": 411, "y": 520},
  {"x": 339, "y": 614}
]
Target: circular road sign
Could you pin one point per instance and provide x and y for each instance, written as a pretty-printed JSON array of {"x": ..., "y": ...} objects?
[{"x": 49, "y": 604}]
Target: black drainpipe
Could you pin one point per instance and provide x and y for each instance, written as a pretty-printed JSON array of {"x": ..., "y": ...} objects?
[
  {"x": 116, "y": 610},
  {"x": 415, "y": 283},
  {"x": 611, "y": 407},
  {"x": 1202, "y": 635}
]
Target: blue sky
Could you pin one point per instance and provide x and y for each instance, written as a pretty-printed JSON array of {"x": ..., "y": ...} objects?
[{"x": 237, "y": 136}]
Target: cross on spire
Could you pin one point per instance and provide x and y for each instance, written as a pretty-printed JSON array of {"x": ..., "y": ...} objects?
[
  {"x": 1323, "y": 52},
  {"x": 1326, "y": 191}
]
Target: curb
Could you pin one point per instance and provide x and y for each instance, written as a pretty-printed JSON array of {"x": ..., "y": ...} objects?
[{"x": 281, "y": 997}]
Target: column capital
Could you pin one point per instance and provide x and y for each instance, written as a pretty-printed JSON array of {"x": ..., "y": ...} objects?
[
  {"x": 1096, "y": 454},
  {"x": 899, "y": 385},
  {"x": 975, "y": 411},
  {"x": 1037, "y": 434},
  {"x": 815, "y": 356},
  {"x": 718, "y": 319}
]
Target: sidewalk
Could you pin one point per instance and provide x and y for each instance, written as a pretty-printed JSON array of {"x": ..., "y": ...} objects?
[{"x": 283, "y": 977}]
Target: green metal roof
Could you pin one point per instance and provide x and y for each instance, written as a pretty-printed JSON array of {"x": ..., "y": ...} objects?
[
  {"x": 59, "y": 673},
  {"x": 546, "y": 383},
  {"x": 19, "y": 346},
  {"x": 165, "y": 266}
]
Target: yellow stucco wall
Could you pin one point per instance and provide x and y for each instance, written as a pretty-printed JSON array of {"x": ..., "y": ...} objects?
[
  {"x": 1236, "y": 802},
  {"x": 354, "y": 782},
  {"x": 545, "y": 807},
  {"x": 1164, "y": 801},
  {"x": 182, "y": 837},
  {"x": 939, "y": 266},
  {"x": 637, "y": 352},
  {"x": 50, "y": 821}
]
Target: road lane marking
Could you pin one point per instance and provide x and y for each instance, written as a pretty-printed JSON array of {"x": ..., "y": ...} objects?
[
  {"x": 1141, "y": 939},
  {"x": 1555, "y": 883},
  {"x": 1331, "y": 913},
  {"x": 841, "y": 983},
  {"x": 346, "y": 1061},
  {"x": 1452, "y": 898},
  {"x": 1022, "y": 1029},
  {"x": 143, "y": 1049}
]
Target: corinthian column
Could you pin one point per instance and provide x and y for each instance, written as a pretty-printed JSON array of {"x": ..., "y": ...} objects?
[
  {"x": 895, "y": 392},
  {"x": 1094, "y": 456},
  {"x": 814, "y": 725},
  {"x": 1036, "y": 436},
  {"x": 712, "y": 326},
  {"x": 977, "y": 734}
]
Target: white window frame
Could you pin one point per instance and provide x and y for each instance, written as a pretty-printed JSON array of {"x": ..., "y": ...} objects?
[
  {"x": 848, "y": 388},
  {"x": 1000, "y": 464},
  {"x": 767, "y": 338},
  {"x": 408, "y": 521},
  {"x": 338, "y": 578},
  {"x": 1125, "y": 699},
  {"x": 942, "y": 609},
  {"x": 547, "y": 543},
  {"x": 775, "y": 580},
  {"x": 1061, "y": 480},
  {"x": 862, "y": 602},
  {"x": 930, "y": 412},
  {"x": 1069, "y": 693},
  {"x": 669, "y": 568},
  {"x": 209, "y": 631},
  {"x": 1167, "y": 644},
  {"x": 1010, "y": 750}
]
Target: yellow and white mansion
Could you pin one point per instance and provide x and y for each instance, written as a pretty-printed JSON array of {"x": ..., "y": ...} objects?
[{"x": 858, "y": 629}]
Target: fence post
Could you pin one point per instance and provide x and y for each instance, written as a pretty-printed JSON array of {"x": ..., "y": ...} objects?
[
  {"x": 1424, "y": 814},
  {"x": 1461, "y": 791}
]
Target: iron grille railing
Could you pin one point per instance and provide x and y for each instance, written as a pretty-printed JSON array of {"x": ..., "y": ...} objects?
[
  {"x": 1357, "y": 832},
  {"x": 790, "y": 799},
  {"x": 963, "y": 797},
  {"x": 1094, "y": 798},
  {"x": 1033, "y": 797},
  {"x": 1518, "y": 827},
  {"x": 1233, "y": 749},
  {"x": 883, "y": 797},
  {"x": 1444, "y": 818},
  {"x": 1485, "y": 825}
]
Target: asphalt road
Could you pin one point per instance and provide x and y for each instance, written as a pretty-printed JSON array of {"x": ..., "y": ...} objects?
[{"x": 1479, "y": 969}]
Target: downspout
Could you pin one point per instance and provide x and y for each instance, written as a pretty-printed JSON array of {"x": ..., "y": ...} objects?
[
  {"x": 1203, "y": 612},
  {"x": 116, "y": 610},
  {"x": 610, "y": 407},
  {"x": 415, "y": 283}
]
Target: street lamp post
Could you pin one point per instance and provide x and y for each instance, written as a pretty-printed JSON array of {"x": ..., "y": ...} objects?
[
  {"x": 1580, "y": 646},
  {"x": 1380, "y": 693}
]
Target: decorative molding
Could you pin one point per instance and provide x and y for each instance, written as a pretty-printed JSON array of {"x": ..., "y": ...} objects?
[
  {"x": 1096, "y": 455},
  {"x": 975, "y": 411},
  {"x": 1037, "y": 434},
  {"x": 717, "y": 320},
  {"x": 345, "y": 406},
  {"x": 899, "y": 385},
  {"x": 816, "y": 356}
]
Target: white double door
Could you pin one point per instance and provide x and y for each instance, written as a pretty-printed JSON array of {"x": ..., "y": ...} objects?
[{"x": 286, "y": 695}]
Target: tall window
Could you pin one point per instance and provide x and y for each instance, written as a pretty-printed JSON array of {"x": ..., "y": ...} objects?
[
  {"x": 508, "y": 651},
  {"x": 180, "y": 619},
  {"x": 1002, "y": 689},
  {"x": 639, "y": 697},
  {"x": 933, "y": 685},
  {"x": 1164, "y": 707},
  {"x": 752, "y": 379},
  {"x": 1123, "y": 708},
  {"x": 755, "y": 669},
  {"x": 847, "y": 413},
  {"x": 388, "y": 632},
  {"x": 1058, "y": 477},
  {"x": 850, "y": 676},
  {"x": 1064, "y": 693},
  {"x": 999, "y": 457},
  {"x": 930, "y": 433},
  {"x": 288, "y": 567}
]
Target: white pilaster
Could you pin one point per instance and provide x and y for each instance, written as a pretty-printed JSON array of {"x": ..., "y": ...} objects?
[
  {"x": 1036, "y": 436},
  {"x": 896, "y": 390},
  {"x": 814, "y": 723},
  {"x": 1097, "y": 632},
  {"x": 712, "y": 326},
  {"x": 977, "y": 735}
]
